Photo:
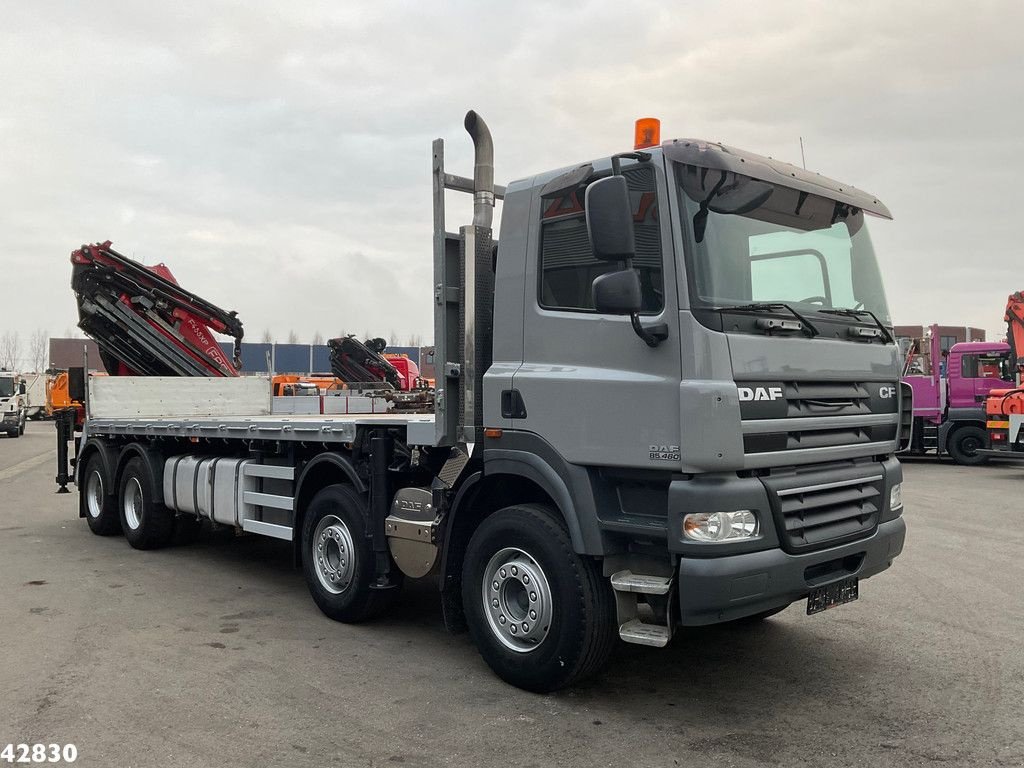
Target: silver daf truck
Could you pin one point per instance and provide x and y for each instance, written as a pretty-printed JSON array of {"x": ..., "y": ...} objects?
[{"x": 668, "y": 396}]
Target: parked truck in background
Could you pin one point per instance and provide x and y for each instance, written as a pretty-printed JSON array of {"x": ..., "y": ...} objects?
[
  {"x": 950, "y": 390},
  {"x": 35, "y": 395},
  {"x": 668, "y": 396},
  {"x": 13, "y": 404}
]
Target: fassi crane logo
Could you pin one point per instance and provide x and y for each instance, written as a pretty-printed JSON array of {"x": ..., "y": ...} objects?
[{"x": 759, "y": 393}]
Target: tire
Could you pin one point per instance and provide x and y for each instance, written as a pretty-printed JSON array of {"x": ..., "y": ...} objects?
[
  {"x": 519, "y": 548},
  {"x": 964, "y": 444},
  {"x": 337, "y": 559},
  {"x": 21, "y": 429},
  {"x": 146, "y": 522},
  {"x": 13, "y": 433},
  {"x": 100, "y": 507}
]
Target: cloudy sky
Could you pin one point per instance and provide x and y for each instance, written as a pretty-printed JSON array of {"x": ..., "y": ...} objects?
[{"x": 277, "y": 155}]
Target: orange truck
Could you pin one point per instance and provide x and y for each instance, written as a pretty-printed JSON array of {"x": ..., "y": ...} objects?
[{"x": 1004, "y": 408}]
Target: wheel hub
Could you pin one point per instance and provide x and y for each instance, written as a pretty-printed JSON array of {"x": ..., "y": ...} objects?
[
  {"x": 333, "y": 554},
  {"x": 517, "y": 600},
  {"x": 94, "y": 495},
  {"x": 133, "y": 502}
]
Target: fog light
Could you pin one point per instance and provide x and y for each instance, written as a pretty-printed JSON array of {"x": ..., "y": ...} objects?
[
  {"x": 896, "y": 496},
  {"x": 720, "y": 526}
]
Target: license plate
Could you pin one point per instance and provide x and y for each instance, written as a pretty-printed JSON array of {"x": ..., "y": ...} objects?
[{"x": 831, "y": 595}]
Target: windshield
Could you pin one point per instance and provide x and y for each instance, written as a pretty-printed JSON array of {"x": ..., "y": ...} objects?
[
  {"x": 807, "y": 251},
  {"x": 6, "y": 386}
]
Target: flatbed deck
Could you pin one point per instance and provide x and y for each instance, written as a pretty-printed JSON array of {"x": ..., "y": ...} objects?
[
  {"x": 319, "y": 428},
  {"x": 229, "y": 408}
]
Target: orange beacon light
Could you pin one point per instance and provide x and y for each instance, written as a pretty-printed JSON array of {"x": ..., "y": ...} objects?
[{"x": 648, "y": 133}]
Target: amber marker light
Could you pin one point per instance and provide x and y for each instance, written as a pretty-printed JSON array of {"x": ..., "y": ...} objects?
[
  {"x": 647, "y": 133},
  {"x": 492, "y": 432}
]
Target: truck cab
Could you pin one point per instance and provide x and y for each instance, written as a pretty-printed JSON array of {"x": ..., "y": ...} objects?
[
  {"x": 742, "y": 420},
  {"x": 13, "y": 404},
  {"x": 950, "y": 390}
]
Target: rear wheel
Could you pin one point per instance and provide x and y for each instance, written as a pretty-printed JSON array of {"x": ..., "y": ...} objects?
[
  {"x": 541, "y": 615},
  {"x": 965, "y": 443},
  {"x": 146, "y": 522},
  {"x": 99, "y": 505},
  {"x": 337, "y": 559}
]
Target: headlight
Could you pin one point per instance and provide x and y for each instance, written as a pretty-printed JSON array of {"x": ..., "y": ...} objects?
[
  {"x": 720, "y": 526},
  {"x": 896, "y": 496}
]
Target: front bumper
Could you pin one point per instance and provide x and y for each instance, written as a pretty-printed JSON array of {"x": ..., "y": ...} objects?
[{"x": 713, "y": 590}]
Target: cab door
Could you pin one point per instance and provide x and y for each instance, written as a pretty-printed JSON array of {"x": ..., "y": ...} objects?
[{"x": 588, "y": 385}]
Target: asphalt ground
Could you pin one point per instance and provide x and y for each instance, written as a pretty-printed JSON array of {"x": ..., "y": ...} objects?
[{"x": 213, "y": 654}]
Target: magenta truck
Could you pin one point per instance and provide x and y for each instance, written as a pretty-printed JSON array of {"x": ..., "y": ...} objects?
[{"x": 949, "y": 394}]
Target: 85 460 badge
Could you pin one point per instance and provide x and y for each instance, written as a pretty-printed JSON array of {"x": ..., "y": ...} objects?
[{"x": 664, "y": 453}]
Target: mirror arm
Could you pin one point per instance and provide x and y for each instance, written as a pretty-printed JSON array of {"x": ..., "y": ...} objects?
[{"x": 652, "y": 335}]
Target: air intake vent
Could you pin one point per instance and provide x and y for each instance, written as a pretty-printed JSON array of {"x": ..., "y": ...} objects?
[{"x": 812, "y": 515}]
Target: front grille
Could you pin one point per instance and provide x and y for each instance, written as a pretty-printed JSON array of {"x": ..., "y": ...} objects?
[
  {"x": 808, "y": 415},
  {"x": 813, "y": 515}
]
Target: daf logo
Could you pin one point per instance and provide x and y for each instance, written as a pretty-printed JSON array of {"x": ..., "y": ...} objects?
[
  {"x": 886, "y": 392},
  {"x": 759, "y": 393}
]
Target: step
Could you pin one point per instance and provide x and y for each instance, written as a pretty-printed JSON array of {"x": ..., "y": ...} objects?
[
  {"x": 636, "y": 631},
  {"x": 627, "y": 581}
]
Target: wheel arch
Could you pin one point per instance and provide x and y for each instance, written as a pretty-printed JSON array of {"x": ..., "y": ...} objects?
[
  {"x": 151, "y": 457},
  {"x": 322, "y": 470}
]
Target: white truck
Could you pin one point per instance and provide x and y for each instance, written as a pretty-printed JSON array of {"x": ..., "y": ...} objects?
[
  {"x": 13, "y": 404},
  {"x": 35, "y": 395},
  {"x": 670, "y": 397}
]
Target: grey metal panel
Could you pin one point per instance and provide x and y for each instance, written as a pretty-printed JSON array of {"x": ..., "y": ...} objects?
[
  {"x": 758, "y": 358},
  {"x": 268, "y": 529},
  {"x": 709, "y": 414},
  {"x": 763, "y": 426},
  {"x": 295, "y": 404},
  {"x": 268, "y": 500},
  {"x": 273, "y": 471},
  {"x": 813, "y": 455}
]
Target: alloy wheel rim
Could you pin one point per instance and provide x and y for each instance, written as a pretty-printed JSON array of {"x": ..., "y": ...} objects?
[
  {"x": 517, "y": 600},
  {"x": 334, "y": 554},
  {"x": 133, "y": 501}
]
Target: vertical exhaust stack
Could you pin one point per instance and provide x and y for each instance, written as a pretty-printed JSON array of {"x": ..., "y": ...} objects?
[
  {"x": 483, "y": 170},
  {"x": 476, "y": 317}
]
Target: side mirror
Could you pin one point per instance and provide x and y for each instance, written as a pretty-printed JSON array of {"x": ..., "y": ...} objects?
[
  {"x": 22, "y": 389},
  {"x": 617, "y": 293},
  {"x": 610, "y": 219}
]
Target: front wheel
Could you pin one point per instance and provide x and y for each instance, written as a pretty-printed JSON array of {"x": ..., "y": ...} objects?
[
  {"x": 965, "y": 443},
  {"x": 541, "y": 615}
]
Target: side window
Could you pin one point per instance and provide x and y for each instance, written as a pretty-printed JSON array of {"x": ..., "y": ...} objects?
[
  {"x": 969, "y": 367},
  {"x": 567, "y": 265}
]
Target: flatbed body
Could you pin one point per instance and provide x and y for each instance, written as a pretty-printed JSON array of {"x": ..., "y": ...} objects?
[{"x": 319, "y": 428}]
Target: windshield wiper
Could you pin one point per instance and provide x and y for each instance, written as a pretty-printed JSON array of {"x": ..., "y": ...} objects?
[
  {"x": 771, "y": 306},
  {"x": 857, "y": 313}
]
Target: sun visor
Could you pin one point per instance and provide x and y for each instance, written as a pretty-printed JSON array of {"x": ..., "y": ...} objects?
[{"x": 706, "y": 154}]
